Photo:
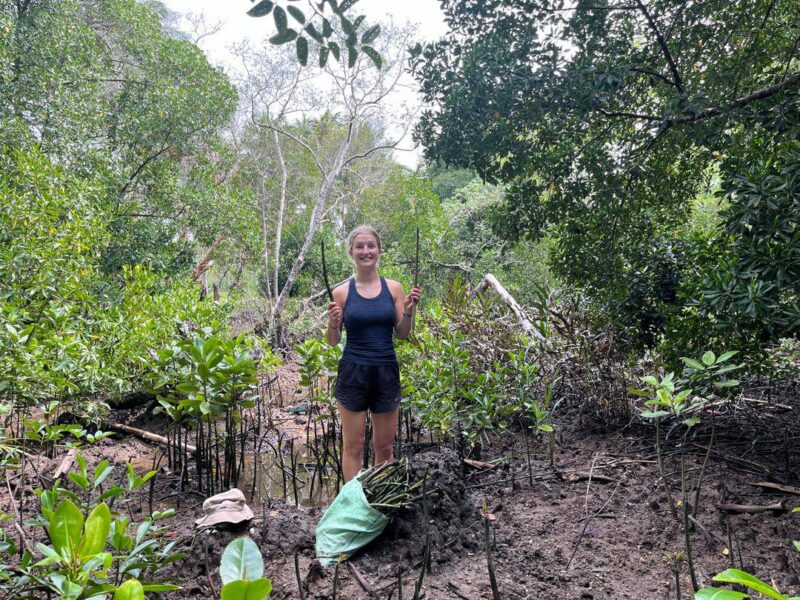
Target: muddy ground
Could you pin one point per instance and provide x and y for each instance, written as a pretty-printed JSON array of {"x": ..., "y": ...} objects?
[{"x": 594, "y": 524}]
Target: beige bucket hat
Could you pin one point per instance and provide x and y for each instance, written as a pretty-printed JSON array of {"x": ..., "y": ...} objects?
[{"x": 227, "y": 507}]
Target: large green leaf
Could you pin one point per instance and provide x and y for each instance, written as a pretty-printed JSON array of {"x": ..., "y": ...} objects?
[
  {"x": 692, "y": 363},
  {"x": 281, "y": 22},
  {"x": 373, "y": 55},
  {"x": 262, "y": 8},
  {"x": 708, "y": 358},
  {"x": 302, "y": 50},
  {"x": 65, "y": 527},
  {"x": 130, "y": 590},
  {"x": 371, "y": 34},
  {"x": 751, "y": 581},
  {"x": 284, "y": 37},
  {"x": 718, "y": 594},
  {"x": 241, "y": 560},
  {"x": 297, "y": 14},
  {"x": 246, "y": 590},
  {"x": 98, "y": 525}
]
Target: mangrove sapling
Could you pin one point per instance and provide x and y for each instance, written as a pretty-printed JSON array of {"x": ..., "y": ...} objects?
[
  {"x": 388, "y": 487},
  {"x": 242, "y": 571}
]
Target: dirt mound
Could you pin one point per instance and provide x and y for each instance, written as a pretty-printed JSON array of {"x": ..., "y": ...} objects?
[{"x": 452, "y": 518}]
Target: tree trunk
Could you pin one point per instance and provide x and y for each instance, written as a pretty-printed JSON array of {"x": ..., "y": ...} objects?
[
  {"x": 281, "y": 208},
  {"x": 314, "y": 223}
]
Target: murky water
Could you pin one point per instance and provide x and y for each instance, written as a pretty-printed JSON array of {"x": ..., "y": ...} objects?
[{"x": 265, "y": 479}]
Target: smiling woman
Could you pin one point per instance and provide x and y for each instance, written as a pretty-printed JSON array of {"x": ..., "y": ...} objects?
[{"x": 371, "y": 308}]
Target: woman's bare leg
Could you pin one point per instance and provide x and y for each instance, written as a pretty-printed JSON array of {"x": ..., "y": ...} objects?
[
  {"x": 354, "y": 425},
  {"x": 384, "y": 429}
]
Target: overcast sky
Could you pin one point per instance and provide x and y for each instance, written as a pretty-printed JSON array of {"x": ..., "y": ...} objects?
[{"x": 235, "y": 26}]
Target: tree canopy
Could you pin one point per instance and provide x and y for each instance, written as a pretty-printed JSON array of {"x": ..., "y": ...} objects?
[{"x": 607, "y": 119}]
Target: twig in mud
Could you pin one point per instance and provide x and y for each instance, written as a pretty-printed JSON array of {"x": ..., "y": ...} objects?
[
  {"x": 297, "y": 576},
  {"x": 589, "y": 518},
  {"x": 361, "y": 580},
  {"x": 424, "y": 560},
  {"x": 454, "y": 588},
  {"x": 489, "y": 561},
  {"x": 208, "y": 568}
]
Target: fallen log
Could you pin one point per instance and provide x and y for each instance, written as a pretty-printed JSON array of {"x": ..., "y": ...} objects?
[
  {"x": 751, "y": 508},
  {"x": 146, "y": 435},
  {"x": 490, "y": 281}
]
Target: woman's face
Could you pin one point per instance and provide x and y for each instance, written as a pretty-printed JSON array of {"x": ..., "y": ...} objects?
[{"x": 365, "y": 251}]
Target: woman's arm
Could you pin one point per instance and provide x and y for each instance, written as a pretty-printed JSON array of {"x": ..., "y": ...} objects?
[
  {"x": 405, "y": 307},
  {"x": 333, "y": 333}
]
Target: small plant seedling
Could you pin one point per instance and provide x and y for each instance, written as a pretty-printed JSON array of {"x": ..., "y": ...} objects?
[{"x": 242, "y": 572}]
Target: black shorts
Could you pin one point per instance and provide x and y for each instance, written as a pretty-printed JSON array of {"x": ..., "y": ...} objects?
[{"x": 373, "y": 388}]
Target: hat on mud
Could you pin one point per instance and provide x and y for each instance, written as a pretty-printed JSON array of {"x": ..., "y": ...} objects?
[{"x": 227, "y": 507}]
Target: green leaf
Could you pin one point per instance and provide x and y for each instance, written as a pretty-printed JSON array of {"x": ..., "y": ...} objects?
[
  {"x": 261, "y": 9},
  {"x": 323, "y": 56},
  {"x": 297, "y": 14},
  {"x": 346, "y": 5},
  {"x": 241, "y": 560},
  {"x": 708, "y": 358},
  {"x": 726, "y": 355},
  {"x": 302, "y": 50},
  {"x": 257, "y": 589},
  {"x": 312, "y": 31},
  {"x": 751, "y": 581},
  {"x": 334, "y": 48},
  {"x": 352, "y": 56},
  {"x": 718, "y": 594},
  {"x": 692, "y": 363},
  {"x": 130, "y": 590},
  {"x": 654, "y": 415},
  {"x": 650, "y": 380},
  {"x": 727, "y": 383},
  {"x": 98, "y": 526},
  {"x": 548, "y": 428},
  {"x": 289, "y": 35},
  {"x": 373, "y": 55},
  {"x": 691, "y": 421},
  {"x": 281, "y": 22},
  {"x": 160, "y": 587},
  {"x": 371, "y": 34},
  {"x": 65, "y": 527}
]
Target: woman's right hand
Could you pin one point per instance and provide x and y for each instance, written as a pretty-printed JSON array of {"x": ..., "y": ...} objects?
[{"x": 334, "y": 316}]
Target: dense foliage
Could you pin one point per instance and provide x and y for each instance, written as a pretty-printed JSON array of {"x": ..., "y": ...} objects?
[{"x": 608, "y": 121}]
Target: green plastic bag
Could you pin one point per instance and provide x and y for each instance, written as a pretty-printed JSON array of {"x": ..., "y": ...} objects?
[{"x": 349, "y": 524}]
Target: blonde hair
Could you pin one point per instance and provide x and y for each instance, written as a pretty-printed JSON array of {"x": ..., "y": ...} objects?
[{"x": 363, "y": 229}]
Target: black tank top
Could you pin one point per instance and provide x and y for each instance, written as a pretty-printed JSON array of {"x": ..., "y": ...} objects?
[{"x": 369, "y": 323}]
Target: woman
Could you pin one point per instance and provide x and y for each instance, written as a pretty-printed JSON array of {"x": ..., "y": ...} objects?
[{"x": 370, "y": 308}]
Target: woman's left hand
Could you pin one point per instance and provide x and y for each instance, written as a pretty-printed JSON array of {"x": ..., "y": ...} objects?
[{"x": 410, "y": 301}]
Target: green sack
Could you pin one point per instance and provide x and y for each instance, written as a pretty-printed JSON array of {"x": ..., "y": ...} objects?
[{"x": 348, "y": 524}]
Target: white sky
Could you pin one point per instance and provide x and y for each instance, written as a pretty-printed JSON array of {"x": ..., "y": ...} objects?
[{"x": 236, "y": 26}]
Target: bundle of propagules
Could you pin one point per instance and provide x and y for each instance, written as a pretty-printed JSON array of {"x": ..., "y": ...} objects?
[{"x": 388, "y": 486}]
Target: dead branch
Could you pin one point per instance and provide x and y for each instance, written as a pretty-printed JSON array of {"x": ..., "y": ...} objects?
[
  {"x": 146, "y": 435},
  {"x": 490, "y": 281},
  {"x": 752, "y": 508}
]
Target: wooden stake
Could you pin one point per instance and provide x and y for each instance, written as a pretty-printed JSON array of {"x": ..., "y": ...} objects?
[{"x": 325, "y": 273}]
